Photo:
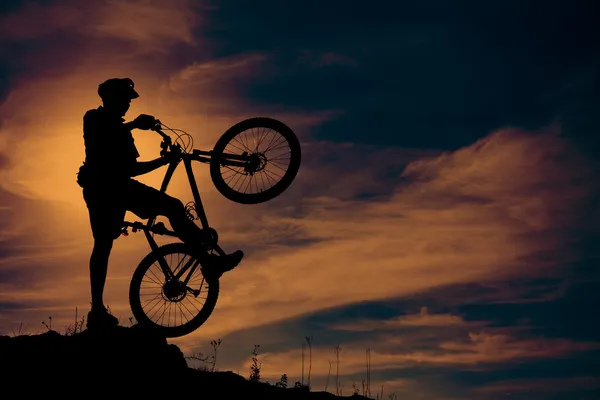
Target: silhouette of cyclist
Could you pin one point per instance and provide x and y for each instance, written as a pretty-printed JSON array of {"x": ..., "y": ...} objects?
[{"x": 109, "y": 190}]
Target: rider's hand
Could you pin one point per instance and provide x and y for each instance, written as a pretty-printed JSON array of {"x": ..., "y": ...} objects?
[
  {"x": 174, "y": 154},
  {"x": 144, "y": 121}
]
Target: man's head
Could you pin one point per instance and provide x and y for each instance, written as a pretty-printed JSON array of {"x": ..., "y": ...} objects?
[{"x": 116, "y": 94}]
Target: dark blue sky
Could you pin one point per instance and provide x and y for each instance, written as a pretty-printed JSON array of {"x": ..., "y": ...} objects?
[{"x": 425, "y": 74}]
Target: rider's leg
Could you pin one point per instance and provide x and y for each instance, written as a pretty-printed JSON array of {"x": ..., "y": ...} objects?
[
  {"x": 188, "y": 231},
  {"x": 146, "y": 201},
  {"x": 106, "y": 219},
  {"x": 98, "y": 270}
]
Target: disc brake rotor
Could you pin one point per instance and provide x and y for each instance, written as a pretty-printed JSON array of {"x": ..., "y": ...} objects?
[{"x": 257, "y": 162}]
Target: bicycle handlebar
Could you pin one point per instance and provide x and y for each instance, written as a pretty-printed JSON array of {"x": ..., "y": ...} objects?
[
  {"x": 179, "y": 149},
  {"x": 167, "y": 143},
  {"x": 156, "y": 128}
]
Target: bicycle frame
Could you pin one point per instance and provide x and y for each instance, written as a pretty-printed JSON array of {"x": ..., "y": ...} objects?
[{"x": 149, "y": 228}]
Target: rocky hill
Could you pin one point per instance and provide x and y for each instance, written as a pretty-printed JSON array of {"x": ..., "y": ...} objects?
[{"x": 121, "y": 362}]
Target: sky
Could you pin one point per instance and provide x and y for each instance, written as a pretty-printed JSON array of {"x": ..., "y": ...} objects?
[{"x": 444, "y": 218}]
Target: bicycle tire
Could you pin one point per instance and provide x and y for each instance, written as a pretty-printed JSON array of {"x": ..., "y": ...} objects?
[
  {"x": 290, "y": 174},
  {"x": 135, "y": 294}
]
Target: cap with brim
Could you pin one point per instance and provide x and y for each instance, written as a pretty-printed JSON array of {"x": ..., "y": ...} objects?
[{"x": 117, "y": 88}]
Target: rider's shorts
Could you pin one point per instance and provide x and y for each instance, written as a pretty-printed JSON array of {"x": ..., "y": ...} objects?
[{"x": 108, "y": 203}]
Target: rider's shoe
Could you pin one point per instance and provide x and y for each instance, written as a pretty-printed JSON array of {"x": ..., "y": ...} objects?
[
  {"x": 217, "y": 265},
  {"x": 100, "y": 318}
]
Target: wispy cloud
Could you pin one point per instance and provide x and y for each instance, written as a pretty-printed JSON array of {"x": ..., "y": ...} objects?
[
  {"x": 459, "y": 217},
  {"x": 153, "y": 25},
  {"x": 478, "y": 350},
  {"x": 423, "y": 319},
  {"x": 149, "y": 23},
  {"x": 34, "y": 20},
  {"x": 213, "y": 71}
]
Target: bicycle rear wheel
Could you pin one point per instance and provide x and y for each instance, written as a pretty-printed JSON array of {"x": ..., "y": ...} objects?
[
  {"x": 167, "y": 305},
  {"x": 273, "y": 155}
]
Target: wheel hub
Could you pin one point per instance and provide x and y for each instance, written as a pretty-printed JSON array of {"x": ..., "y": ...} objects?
[
  {"x": 173, "y": 290},
  {"x": 256, "y": 162}
]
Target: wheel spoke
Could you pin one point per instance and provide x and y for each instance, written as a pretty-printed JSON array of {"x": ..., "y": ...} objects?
[
  {"x": 261, "y": 138},
  {"x": 168, "y": 304},
  {"x": 271, "y": 142},
  {"x": 245, "y": 148},
  {"x": 236, "y": 147},
  {"x": 273, "y": 166}
]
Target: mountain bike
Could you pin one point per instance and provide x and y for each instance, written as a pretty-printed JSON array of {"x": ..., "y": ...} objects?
[{"x": 169, "y": 291}]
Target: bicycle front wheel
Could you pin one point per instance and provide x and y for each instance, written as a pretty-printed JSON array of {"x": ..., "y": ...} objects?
[
  {"x": 173, "y": 306},
  {"x": 271, "y": 160}
]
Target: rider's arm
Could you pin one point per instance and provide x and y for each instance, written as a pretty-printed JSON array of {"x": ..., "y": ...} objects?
[
  {"x": 131, "y": 125},
  {"x": 143, "y": 167}
]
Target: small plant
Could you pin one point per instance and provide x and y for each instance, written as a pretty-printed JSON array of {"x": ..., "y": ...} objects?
[
  {"x": 302, "y": 364},
  {"x": 328, "y": 375},
  {"x": 215, "y": 345},
  {"x": 309, "y": 340},
  {"x": 367, "y": 383},
  {"x": 20, "y": 331},
  {"x": 77, "y": 327},
  {"x": 255, "y": 367},
  {"x": 380, "y": 397},
  {"x": 199, "y": 357},
  {"x": 283, "y": 382},
  {"x": 212, "y": 360},
  {"x": 298, "y": 385},
  {"x": 49, "y": 325},
  {"x": 338, "y": 387},
  {"x": 392, "y": 396}
]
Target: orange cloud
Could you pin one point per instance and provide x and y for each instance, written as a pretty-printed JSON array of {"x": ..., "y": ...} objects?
[
  {"x": 484, "y": 350},
  {"x": 423, "y": 319},
  {"x": 152, "y": 24},
  {"x": 200, "y": 73},
  {"x": 457, "y": 218}
]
